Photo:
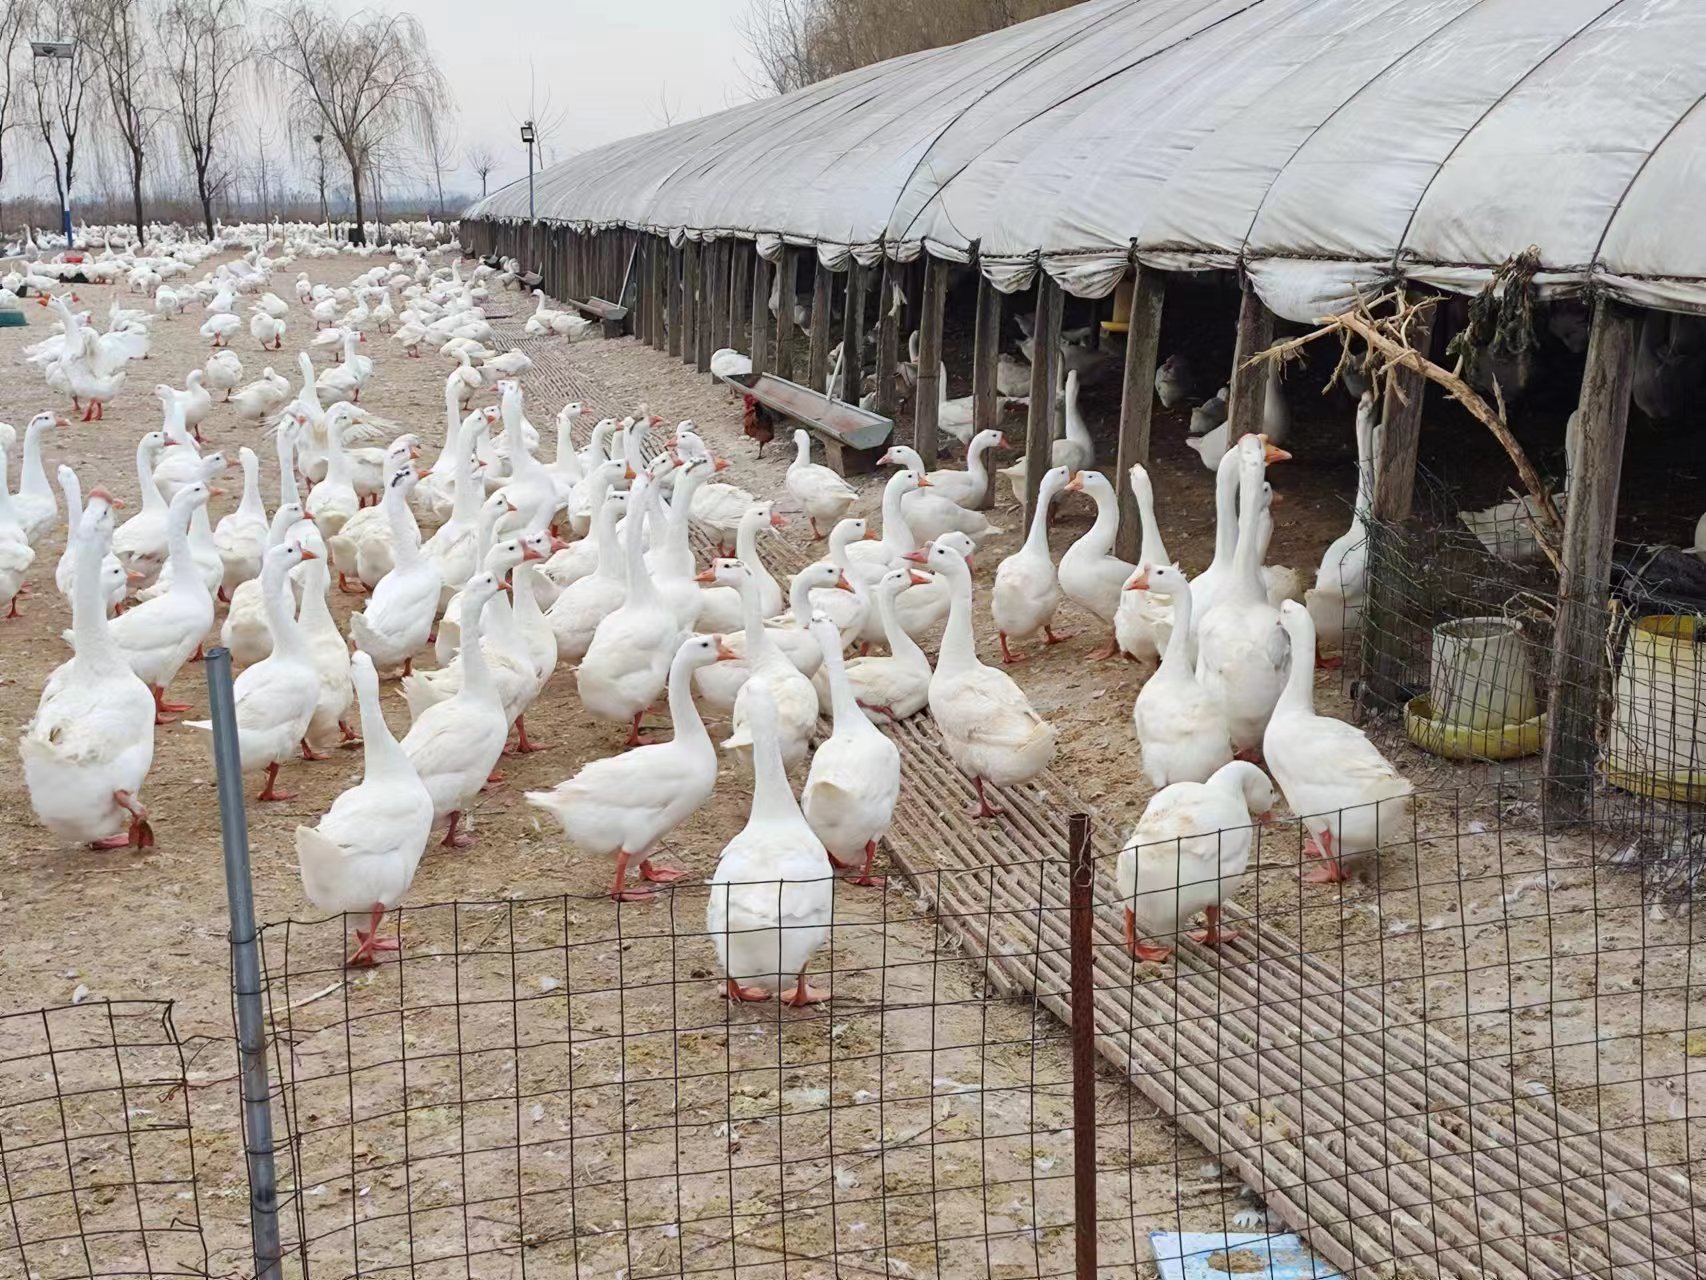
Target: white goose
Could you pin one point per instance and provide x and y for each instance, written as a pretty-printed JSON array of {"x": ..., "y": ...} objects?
[
  {"x": 721, "y": 608},
  {"x": 773, "y": 892},
  {"x": 205, "y": 559},
  {"x": 1090, "y": 573},
  {"x": 449, "y": 636},
  {"x": 854, "y": 782},
  {"x": 1347, "y": 795},
  {"x": 1142, "y": 624},
  {"x": 892, "y": 686},
  {"x": 87, "y": 750},
  {"x": 1341, "y": 583},
  {"x": 823, "y": 494},
  {"x": 242, "y": 536},
  {"x": 583, "y": 604},
  {"x": 1182, "y": 729},
  {"x": 963, "y": 487},
  {"x": 333, "y": 499},
  {"x": 719, "y": 686},
  {"x": 158, "y": 636},
  {"x": 1075, "y": 451},
  {"x": 361, "y": 857},
  {"x": 790, "y": 692},
  {"x": 454, "y": 745},
  {"x": 16, "y": 554},
  {"x": 1027, "y": 590},
  {"x": 245, "y": 631},
  {"x": 35, "y": 504},
  {"x": 364, "y": 548},
  {"x": 1241, "y": 653},
  {"x": 624, "y": 805},
  {"x": 1188, "y": 854},
  {"x": 929, "y": 514},
  {"x": 987, "y": 724},
  {"x": 115, "y": 581},
  {"x": 275, "y": 698},
  {"x": 330, "y": 653},
  {"x": 454, "y": 548},
  {"x": 626, "y": 666},
  {"x": 397, "y": 619}
]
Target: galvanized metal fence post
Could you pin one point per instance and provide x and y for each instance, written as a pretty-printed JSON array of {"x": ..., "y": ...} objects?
[
  {"x": 245, "y": 970},
  {"x": 1081, "y": 960}
]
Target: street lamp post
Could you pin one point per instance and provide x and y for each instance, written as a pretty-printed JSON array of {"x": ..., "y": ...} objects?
[
  {"x": 527, "y": 137},
  {"x": 60, "y": 51},
  {"x": 320, "y": 152}
]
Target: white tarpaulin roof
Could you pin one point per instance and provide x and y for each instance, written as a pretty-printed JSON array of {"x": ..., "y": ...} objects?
[{"x": 1327, "y": 144}]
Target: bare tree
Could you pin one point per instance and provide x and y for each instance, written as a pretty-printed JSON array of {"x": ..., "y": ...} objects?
[
  {"x": 546, "y": 118},
  {"x": 15, "y": 19},
  {"x": 482, "y": 161},
  {"x": 439, "y": 145},
  {"x": 121, "y": 47},
  {"x": 206, "y": 44},
  {"x": 365, "y": 79},
  {"x": 59, "y": 90}
]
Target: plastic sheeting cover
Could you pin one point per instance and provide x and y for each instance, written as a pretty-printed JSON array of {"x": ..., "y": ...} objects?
[{"x": 1330, "y": 145}]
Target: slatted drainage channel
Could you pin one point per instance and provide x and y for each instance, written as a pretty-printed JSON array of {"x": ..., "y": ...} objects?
[{"x": 1381, "y": 1141}]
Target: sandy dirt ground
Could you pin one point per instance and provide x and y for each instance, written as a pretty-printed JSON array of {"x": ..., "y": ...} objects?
[{"x": 548, "y": 1075}]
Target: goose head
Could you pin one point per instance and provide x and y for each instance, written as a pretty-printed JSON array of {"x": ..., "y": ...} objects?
[{"x": 1158, "y": 579}]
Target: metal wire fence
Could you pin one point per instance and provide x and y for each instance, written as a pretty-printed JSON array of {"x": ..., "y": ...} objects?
[{"x": 97, "y": 1166}]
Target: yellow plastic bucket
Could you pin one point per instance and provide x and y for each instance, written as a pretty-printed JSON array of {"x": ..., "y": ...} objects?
[
  {"x": 1441, "y": 737},
  {"x": 1656, "y": 745}
]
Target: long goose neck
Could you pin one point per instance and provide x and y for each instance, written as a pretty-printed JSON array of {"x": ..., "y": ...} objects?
[
  {"x": 69, "y": 485},
  {"x": 315, "y": 613},
  {"x": 844, "y": 703},
  {"x": 896, "y": 531},
  {"x": 151, "y": 499},
  {"x": 251, "y": 507},
  {"x": 758, "y": 641},
  {"x": 1225, "y": 514},
  {"x": 383, "y": 756},
  {"x": 95, "y": 647},
  {"x": 772, "y": 798},
  {"x": 405, "y": 536},
  {"x": 959, "y": 646},
  {"x": 1247, "y": 559},
  {"x": 800, "y": 601},
  {"x": 30, "y": 474},
  {"x": 9, "y": 516},
  {"x": 465, "y": 502},
  {"x": 683, "y": 711},
  {"x": 1298, "y": 696},
  {"x": 610, "y": 550},
  {"x": 476, "y": 675},
  {"x": 337, "y": 461},
  {"x": 287, "y": 635},
  {"x": 1153, "y": 551},
  {"x": 178, "y": 552},
  {"x": 977, "y": 466},
  {"x": 901, "y": 645},
  {"x": 1036, "y": 537},
  {"x": 641, "y": 589},
  {"x": 1179, "y": 641},
  {"x": 1101, "y": 533}
]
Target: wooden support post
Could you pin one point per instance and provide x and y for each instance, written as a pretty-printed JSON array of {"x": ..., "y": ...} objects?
[
  {"x": 1137, "y": 400},
  {"x": 853, "y": 335},
  {"x": 823, "y": 294},
  {"x": 926, "y": 405},
  {"x": 713, "y": 312},
  {"x": 888, "y": 339},
  {"x": 649, "y": 285},
  {"x": 1391, "y": 652},
  {"x": 690, "y": 302},
  {"x": 1249, "y": 382},
  {"x": 660, "y": 292},
  {"x": 784, "y": 357},
  {"x": 1590, "y": 526},
  {"x": 643, "y": 296},
  {"x": 738, "y": 279},
  {"x": 672, "y": 294},
  {"x": 985, "y": 355},
  {"x": 760, "y": 352},
  {"x": 1039, "y": 430}
]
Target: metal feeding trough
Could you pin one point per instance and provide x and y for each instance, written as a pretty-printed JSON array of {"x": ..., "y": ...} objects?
[{"x": 852, "y": 437}]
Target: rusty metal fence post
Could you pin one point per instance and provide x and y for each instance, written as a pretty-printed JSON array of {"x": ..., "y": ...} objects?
[{"x": 1081, "y": 958}]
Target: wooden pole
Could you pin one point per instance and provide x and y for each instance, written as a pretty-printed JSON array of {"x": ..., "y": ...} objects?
[
  {"x": 655, "y": 283},
  {"x": 888, "y": 339},
  {"x": 1590, "y": 526},
  {"x": 714, "y": 312},
  {"x": 926, "y": 405},
  {"x": 1249, "y": 382},
  {"x": 690, "y": 302},
  {"x": 985, "y": 355},
  {"x": 823, "y": 294},
  {"x": 853, "y": 334},
  {"x": 642, "y": 298},
  {"x": 1137, "y": 400},
  {"x": 738, "y": 278},
  {"x": 1039, "y": 428},
  {"x": 1389, "y": 648},
  {"x": 673, "y": 297},
  {"x": 760, "y": 312},
  {"x": 784, "y": 358}
]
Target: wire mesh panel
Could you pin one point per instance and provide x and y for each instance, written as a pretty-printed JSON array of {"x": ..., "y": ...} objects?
[
  {"x": 564, "y": 1087},
  {"x": 1478, "y": 1056},
  {"x": 97, "y": 1166}
]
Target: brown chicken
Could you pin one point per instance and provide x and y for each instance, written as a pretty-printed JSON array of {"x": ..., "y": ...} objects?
[{"x": 757, "y": 422}]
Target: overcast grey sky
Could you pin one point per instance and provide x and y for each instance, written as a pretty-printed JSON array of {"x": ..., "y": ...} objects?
[{"x": 607, "y": 65}]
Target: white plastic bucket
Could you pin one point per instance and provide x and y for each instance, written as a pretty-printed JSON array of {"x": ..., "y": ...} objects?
[
  {"x": 1657, "y": 742},
  {"x": 1479, "y": 675}
]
